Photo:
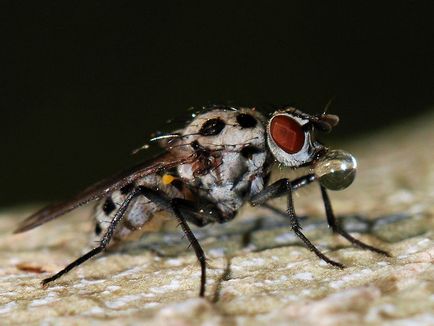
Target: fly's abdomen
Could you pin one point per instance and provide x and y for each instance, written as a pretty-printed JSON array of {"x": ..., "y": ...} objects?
[{"x": 142, "y": 214}]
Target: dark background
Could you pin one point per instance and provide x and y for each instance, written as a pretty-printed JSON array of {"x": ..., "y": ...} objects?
[{"x": 84, "y": 83}]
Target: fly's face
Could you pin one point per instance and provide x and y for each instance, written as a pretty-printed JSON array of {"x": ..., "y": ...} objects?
[{"x": 290, "y": 137}]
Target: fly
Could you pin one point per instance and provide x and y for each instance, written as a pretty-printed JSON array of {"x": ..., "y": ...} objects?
[{"x": 220, "y": 161}]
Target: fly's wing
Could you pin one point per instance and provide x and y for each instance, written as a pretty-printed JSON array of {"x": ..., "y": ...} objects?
[{"x": 103, "y": 188}]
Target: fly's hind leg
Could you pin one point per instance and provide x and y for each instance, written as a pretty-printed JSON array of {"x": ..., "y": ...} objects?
[
  {"x": 331, "y": 220},
  {"x": 184, "y": 211},
  {"x": 104, "y": 241}
]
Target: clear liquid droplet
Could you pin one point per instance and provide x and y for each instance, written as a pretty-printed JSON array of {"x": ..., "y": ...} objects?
[{"x": 336, "y": 170}]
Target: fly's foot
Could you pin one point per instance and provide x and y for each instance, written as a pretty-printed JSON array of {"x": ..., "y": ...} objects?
[
  {"x": 45, "y": 281},
  {"x": 334, "y": 263},
  {"x": 361, "y": 244}
]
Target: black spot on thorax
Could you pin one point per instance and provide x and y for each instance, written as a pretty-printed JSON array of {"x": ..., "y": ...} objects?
[
  {"x": 249, "y": 151},
  {"x": 246, "y": 120},
  {"x": 212, "y": 127}
]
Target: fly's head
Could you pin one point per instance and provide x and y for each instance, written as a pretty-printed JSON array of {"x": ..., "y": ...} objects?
[{"x": 291, "y": 140}]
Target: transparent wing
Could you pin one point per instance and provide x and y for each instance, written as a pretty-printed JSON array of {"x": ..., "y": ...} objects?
[{"x": 103, "y": 188}]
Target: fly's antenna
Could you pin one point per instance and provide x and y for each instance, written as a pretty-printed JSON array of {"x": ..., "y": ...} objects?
[
  {"x": 329, "y": 104},
  {"x": 324, "y": 121}
]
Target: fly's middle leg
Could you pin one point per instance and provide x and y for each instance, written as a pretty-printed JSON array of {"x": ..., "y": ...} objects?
[{"x": 184, "y": 211}]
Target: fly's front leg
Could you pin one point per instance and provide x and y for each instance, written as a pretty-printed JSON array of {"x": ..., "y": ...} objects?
[
  {"x": 104, "y": 241},
  {"x": 280, "y": 188},
  {"x": 286, "y": 187},
  {"x": 331, "y": 220}
]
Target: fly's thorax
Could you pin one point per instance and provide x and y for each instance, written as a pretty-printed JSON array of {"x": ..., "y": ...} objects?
[{"x": 232, "y": 153}]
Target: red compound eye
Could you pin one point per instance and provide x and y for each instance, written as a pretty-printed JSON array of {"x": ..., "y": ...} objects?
[{"x": 287, "y": 134}]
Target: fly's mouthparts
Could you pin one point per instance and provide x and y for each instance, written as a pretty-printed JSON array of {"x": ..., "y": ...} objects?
[{"x": 336, "y": 170}]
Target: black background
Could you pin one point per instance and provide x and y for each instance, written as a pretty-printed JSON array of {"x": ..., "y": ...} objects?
[{"x": 84, "y": 83}]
